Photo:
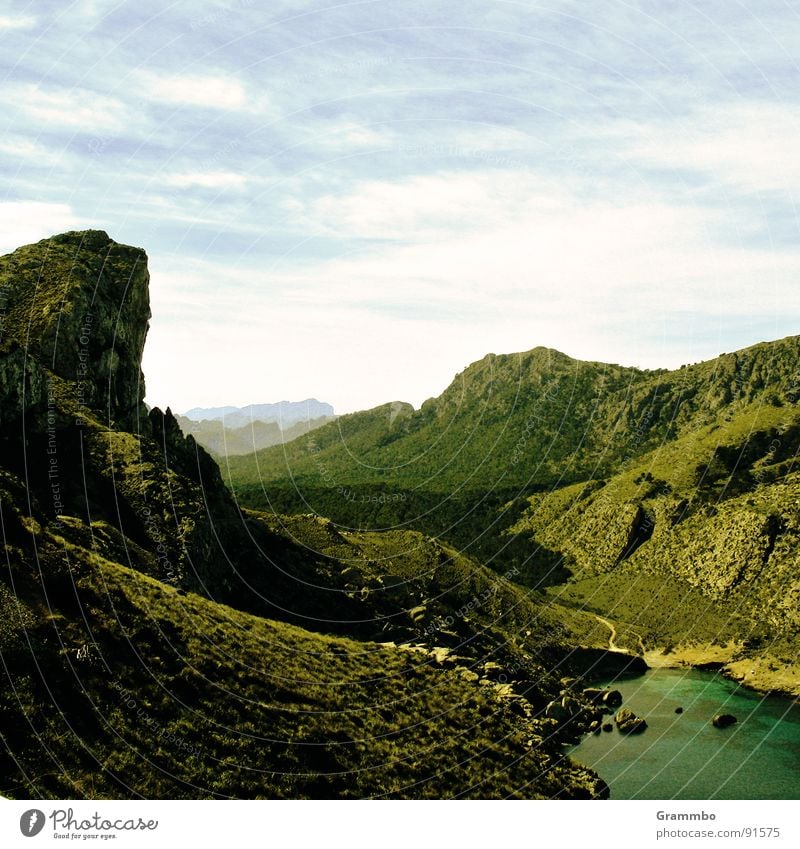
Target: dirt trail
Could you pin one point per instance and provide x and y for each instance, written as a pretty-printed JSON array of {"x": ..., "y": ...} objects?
[{"x": 612, "y": 639}]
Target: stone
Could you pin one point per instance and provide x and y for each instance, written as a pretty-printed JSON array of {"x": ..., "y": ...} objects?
[
  {"x": 612, "y": 698},
  {"x": 723, "y": 720},
  {"x": 678, "y": 710},
  {"x": 594, "y": 694},
  {"x": 353, "y": 576},
  {"x": 441, "y": 655},
  {"x": 555, "y": 710},
  {"x": 494, "y": 671},
  {"x": 468, "y": 674},
  {"x": 418, "y": 614},
  {"x": 571, "y": 705},
  {"x": 629, "y": 723}
]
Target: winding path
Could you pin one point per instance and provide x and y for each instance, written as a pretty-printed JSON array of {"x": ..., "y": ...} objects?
[{"x": 612, "y": 639}]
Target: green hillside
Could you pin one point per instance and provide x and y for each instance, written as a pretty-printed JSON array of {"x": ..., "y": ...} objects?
[
  {"x": 658, "y": 495},
  {"x": 463, "y": 466},
  {"x": 122, "y": 687},
  {"x": 694, "y": 543},
  {"x": 522, "y": 420},
  {"x": 158, "y": 642}
]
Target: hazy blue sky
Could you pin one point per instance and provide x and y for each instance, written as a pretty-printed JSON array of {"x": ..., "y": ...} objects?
[{"x": 354, "y": 201}]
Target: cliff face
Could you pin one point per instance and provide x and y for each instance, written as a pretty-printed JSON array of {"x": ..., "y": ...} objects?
[
  {"x": 78, "y": 305},
  {"x": 99, "y": 469}
]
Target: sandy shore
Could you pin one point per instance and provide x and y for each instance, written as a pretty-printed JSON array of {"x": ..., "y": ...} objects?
[{"x": 766, "y": 674}]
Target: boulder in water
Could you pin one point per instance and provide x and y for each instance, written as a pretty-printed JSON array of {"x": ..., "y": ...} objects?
[
  {"x": 723, "y": 720},
  {"x": 629, "y": 723}
]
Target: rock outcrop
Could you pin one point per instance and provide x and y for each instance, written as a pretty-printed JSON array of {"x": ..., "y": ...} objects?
[
  {"x": 629, "y": 723},
  {"x": 78, "y": 304},
  {"x": 723, "y": 720}
]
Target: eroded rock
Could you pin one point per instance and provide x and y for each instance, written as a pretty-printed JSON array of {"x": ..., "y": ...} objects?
[{"x": 629, "y": 723}]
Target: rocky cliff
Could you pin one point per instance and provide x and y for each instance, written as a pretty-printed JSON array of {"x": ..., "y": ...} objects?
[{"x": 78, "y": 305}]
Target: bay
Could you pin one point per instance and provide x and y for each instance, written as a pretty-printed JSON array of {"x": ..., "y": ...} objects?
[{"x": 683, "y": 756}]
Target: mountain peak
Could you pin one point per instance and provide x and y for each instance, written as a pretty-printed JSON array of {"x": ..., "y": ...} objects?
[{"x": 78, "y": 304}]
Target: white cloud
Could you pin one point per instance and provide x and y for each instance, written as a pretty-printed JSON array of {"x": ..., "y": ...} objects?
[
  {"x": 23, "y": 222},
  {"x": 752, "y": 146},
  {"x": 348, "y": 134},
  {"x": 208, "y": 180},
  {"x": 16, "y": 22},
  {"x": 32, "y": 152},
  {"x": 425, "y": 206},
  {"x": 207, "y": 90},
  {"x": 492, "y": 241},
  {"x": 61, "y": 108},
  {"x": 491, "y": 261}
]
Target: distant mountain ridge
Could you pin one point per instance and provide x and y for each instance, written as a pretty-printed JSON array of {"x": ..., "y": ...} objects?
[
  {"x": 533, "y": 419},
  {"x": 223, "y": 441},
  {"x": 285, "y": 413}
]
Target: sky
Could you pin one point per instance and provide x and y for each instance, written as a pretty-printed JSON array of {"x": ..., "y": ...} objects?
[{"x": 354, "y": 201}]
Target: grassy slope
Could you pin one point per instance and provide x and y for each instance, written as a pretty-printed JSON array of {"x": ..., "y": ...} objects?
[
  {"x": 462, "y": 466},
  {"x": 121, "y": 686},
  {"x": 431, "y": 594},
  {"x": 527, "y": 419},
  {"x": 717, "y": 564}
]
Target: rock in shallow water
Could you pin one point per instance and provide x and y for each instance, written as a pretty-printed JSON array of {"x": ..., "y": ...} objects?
[
  {"x": 723, "y": 720},
  {"x": 629, "y": 723}
]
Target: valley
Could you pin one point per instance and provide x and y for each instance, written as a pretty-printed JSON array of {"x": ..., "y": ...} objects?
[
  {"x": 397, "y": 603},
  {"x": 681, "y": 525}
]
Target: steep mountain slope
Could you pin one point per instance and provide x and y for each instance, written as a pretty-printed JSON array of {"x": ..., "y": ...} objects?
[
  {"x": 117, "y": 686},
  {"x": 135, "y": 655},
  {"x": 641, "y": 496},
  {"x": 463, "y": 465},
  {"x": 522, "y": 420},
  {"x": 477, "y": 436},
  {"x": 717, "y": 512}
]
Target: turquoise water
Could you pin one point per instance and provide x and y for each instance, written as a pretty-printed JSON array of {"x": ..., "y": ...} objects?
[{"x": 684, "y": 756}]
